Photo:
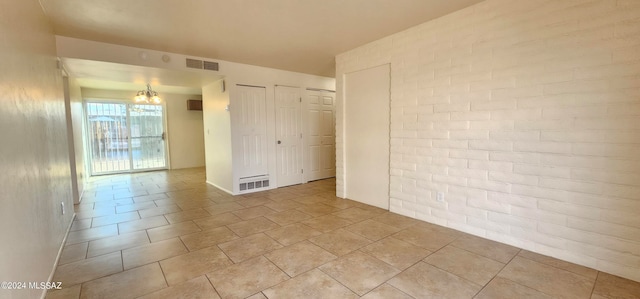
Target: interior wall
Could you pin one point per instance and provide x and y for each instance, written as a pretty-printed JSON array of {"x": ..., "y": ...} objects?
[
  {"x": 76, "y": 116},
  {"x": 184, "y": 128},
  {"x": 366, "y": 143},
  {"x": 186, "y": 131},
  {"x": 525, "y": 114},
  {"x": 34, "y": 157},
  {"x": 217, "y": 136}
]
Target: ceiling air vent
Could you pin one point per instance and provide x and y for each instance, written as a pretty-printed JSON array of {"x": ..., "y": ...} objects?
[
  {"x": 194, "y": 63},
  {"x": 210, "y": 65},
  {"x": 202, "y": 65}
]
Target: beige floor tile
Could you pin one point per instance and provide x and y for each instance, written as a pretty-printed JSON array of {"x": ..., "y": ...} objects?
[
  {"x": 287, "y": 217},
  {"x": 318, "y": 209},
  {"x": 257, "y": 296},
  {"x": 146, "y": 213},
  {"x": 89, "y": 234},
  {"x": 246, "y": 278},
  {"x": 386, "y": 291},
  {"x": 359, "y": 272},
  {"x": 340, "y": 203},
  {"x": 142, "y": 224},
  {"x": 116, "y": 243},
  {"x": 81, "y": 224},
  {"x": 208, "y": 238},
  {"x": 470, "y": 266},
  {"x": 128, "y": 284},
  {"x": 357, "y": 214},
  {"x": 196, "y": 288},
  {"x": 248, "y": 247},
  {"x": 223, "y": 208},
  {"x": 340, "y": 242},
  {"x": 396, "y": 220},
  {"x": 194, "y": 204},
  {"x": 252, "y": 202},
  {"x": 73, "y": 253},
  {"x": 253, "y": 212},
  {"x": 284, "y": 205},
  {"x": 88, "y": 269},
  {"x": 152, "y": 252},
  {"x": 310, "y": 200},
  {"x": 172, "y": 230},
  {"x": 217, "y": 221},
  {"x": 396, "y": 253},
  {"x": 253, "y": 226},
  {"x": 496, "y": 251},
  {"x": 187, "y": 215},
  {"x": 503, "y": 288},
  {"x": 293, "y": 233},
  {"x": 611, "y": 286},
  {"x": 143, "y": 198},
  {"x": 281, "y": 195},
  {"x": 113, "y": 203},
  {"x": 116, "y": 218},
  {"x": 299, "y": 258},
  {"x": 65, "y": 293},
  {"x": 312, "y": 284},
  {"x": 165, "y": 202},
  {"x": 135, "y": 207},
  {"x": 84, "y": 214},
  {"x": 327, "y": 223},
  {"x": 431, "y": 240},
  {"x": 372, "y": 230},
  {"x": 425, "y": 281},
  {"x": 571, "y": 267},
  {"x": 547, "y": 279},
  {"x": 187, "y": 266}
]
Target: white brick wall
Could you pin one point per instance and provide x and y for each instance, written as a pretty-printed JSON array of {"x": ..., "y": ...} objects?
[{"x": 527, "y": 115}]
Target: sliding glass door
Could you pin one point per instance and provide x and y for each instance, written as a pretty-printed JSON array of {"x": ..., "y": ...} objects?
[{"x": 125, "y": 137}]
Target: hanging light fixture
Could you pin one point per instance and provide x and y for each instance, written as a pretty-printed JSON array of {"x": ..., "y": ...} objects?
[{"x": 147, "y": 96}]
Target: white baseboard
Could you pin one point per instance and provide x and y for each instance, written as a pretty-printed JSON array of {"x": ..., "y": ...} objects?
[
  {"x": 55, "y": 264},
  {"x": 223, "y": 189}
]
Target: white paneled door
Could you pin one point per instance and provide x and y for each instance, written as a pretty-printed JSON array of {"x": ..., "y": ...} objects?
[
  {"x": 321, "y": 163},
  {"x": 288, "y": 136},
  {"x": 252, "y": 130}
]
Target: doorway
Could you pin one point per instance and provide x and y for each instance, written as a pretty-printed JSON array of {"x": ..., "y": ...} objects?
[
  {"x": 366, "y": 135},
  {"x": 125, "y": 137}
]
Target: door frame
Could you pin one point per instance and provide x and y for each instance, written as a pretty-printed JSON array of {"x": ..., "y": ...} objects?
[{"x": 88, "y": 147}]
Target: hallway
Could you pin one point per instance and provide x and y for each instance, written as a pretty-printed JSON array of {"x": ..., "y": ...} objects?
[{"x": 170, "y": 235}]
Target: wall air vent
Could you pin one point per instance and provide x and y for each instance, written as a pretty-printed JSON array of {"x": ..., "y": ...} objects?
[
  {"x": 254, "y": 183},
  {"x": 202, "y": 65},
  {"x": 210, "y": 65}
]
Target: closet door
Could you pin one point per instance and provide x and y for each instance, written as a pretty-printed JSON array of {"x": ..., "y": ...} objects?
[
  {"x": 252, "y": 131},
  {"x": 321, "y": 162},
  {"x": 288, "y": 136}
]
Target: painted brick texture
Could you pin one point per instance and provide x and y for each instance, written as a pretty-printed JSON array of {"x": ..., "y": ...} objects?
[{"x": 526, "y": 114}]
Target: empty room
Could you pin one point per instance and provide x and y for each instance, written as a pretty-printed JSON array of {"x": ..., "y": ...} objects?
[{"x": 320, "y": 149}]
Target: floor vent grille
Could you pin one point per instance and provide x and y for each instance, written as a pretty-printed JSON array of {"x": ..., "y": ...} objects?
[{"x": 253, "y": 183}]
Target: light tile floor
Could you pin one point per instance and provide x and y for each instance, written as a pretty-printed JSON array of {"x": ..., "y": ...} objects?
[{"x": 169, "y": 235}]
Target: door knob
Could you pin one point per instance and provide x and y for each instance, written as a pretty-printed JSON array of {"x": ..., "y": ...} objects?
[{"x": 279, "y": 141}]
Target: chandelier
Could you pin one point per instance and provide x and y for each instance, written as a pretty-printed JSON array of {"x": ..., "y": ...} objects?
[{"x": 147, "y": 96}]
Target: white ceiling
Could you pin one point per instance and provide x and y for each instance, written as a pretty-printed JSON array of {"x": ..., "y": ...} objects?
[{"x": 295, "y": 35}]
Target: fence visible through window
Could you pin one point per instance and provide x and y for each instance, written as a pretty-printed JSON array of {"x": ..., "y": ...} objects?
[{"x": 125, "y": 137}]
